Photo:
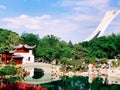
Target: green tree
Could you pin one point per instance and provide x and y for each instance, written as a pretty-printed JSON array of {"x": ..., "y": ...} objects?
[
  {"x": 30, "y": 38},
  {"x": 51, "y": 47},
  {"x": 103, "y": 47},
  {"x": 65, "y": 50},
  {"x": 48, "y": 48},
  {"x": 103, "y": 61},
  {"x": 8, "y": 39},
  {"x": 70, "y": 44},
  {"x": 80, "y": 52}
]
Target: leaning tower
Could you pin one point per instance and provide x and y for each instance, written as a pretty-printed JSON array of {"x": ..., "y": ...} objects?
[{"x": 109, "y": 16}]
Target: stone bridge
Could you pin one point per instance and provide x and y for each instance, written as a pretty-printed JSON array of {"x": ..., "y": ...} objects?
[
  {"x": 49, "y": 72},
  {"x": 47, "y": 68}
]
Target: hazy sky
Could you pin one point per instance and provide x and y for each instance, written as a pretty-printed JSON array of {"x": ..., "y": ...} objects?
[{"x": 71, "y": 20}]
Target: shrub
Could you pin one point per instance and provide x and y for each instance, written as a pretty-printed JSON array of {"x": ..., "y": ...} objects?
[
  {"x": 8, "y": 70},
  {"x": 104, "y": 61},
  {"x": 12, "y": 79}
]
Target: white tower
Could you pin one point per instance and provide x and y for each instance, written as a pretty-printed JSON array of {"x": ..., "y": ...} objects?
[{"x": 109, "y": 16}]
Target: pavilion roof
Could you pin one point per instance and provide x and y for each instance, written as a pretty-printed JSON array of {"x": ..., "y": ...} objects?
[{"x": 25, "y": 46}]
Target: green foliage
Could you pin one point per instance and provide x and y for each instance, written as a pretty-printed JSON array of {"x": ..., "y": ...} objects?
[
  {"x": 103, "y": 61},
  {"x": 114, "y": 63},
  {"x": 90, "y": 60},
  {"x": 13, "y": 79},
  {"x": 70, "y": 44},
  {"x": 80, "y": 52},
  {"x": 30, "y": 38},
  {"x": 73, "y": 65},
  {"x": 64, "y": 61},
  {"x": 50, "y": 47},
  {"x": 8, "y": 39},
  {"x": 69, "y": 62},
  {"x": 103, "y": 47},
  {"x": 8, "y": 70},
  {"x": 12, "y": 63}
]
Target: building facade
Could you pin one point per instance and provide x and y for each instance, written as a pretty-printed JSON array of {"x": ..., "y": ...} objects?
[{"x": 22, "y": 54}]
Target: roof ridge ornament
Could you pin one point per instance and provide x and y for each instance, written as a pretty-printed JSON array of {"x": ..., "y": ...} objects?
[{"x": 25, "y": 46}]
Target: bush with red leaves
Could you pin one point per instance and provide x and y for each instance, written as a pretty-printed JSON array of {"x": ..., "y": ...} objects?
[{"x": 20, "y": 86}]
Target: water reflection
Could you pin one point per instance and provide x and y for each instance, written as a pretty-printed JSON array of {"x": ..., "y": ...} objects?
[
  {"x": 80, "y": 83},
  {"x": 105, "y": 79},
  {"x": 113, "y": 80},
  {"x": 91, "y": 82}
]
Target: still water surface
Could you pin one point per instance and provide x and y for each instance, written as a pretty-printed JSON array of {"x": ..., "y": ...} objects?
[
  {"x": 81, "y": 83},
  {"x": 75, "y": 82}
]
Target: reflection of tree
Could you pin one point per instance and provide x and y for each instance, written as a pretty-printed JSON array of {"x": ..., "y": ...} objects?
[
  {"x": 74, "y": 83},
  {"x": 80, "y": 83},
  {"x": 98, "y": 85}
]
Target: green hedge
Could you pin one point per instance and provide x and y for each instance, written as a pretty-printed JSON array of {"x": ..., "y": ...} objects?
[{"x": 8, "y": 70}]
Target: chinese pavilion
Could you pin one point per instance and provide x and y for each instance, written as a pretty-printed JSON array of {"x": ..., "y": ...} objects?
[{"x": 22, "y": 54}]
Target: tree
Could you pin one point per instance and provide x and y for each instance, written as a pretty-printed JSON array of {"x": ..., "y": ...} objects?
[
  {"x": 8, "y": 39},
  {"x": 48, "y": 48},
  {"x": 80, "y": 52},
  {"x": 65, "y": 50},
  {"x": 51, "y": 47},
  {"x": 103, "y": 47},
  {"x": 103, "y": 61},
  {"x": 30, "y": 38},
  {"x": 70, "y": 44}
]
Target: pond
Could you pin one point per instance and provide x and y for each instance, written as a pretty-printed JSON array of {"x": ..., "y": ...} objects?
[
  {"x": 80, "y": 83},
  {"x": 38, "y": 77}
]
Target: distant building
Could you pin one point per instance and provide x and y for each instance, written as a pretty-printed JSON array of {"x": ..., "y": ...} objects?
[{"x": 22, "y": 54}]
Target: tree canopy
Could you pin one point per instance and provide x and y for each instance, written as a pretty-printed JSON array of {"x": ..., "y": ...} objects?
[
  {"x": 103, "y": 47},
  {"x": 8, "y": 39},
  {"x": 51, "y": 47},
  {"x": 30, "y": 38}
]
